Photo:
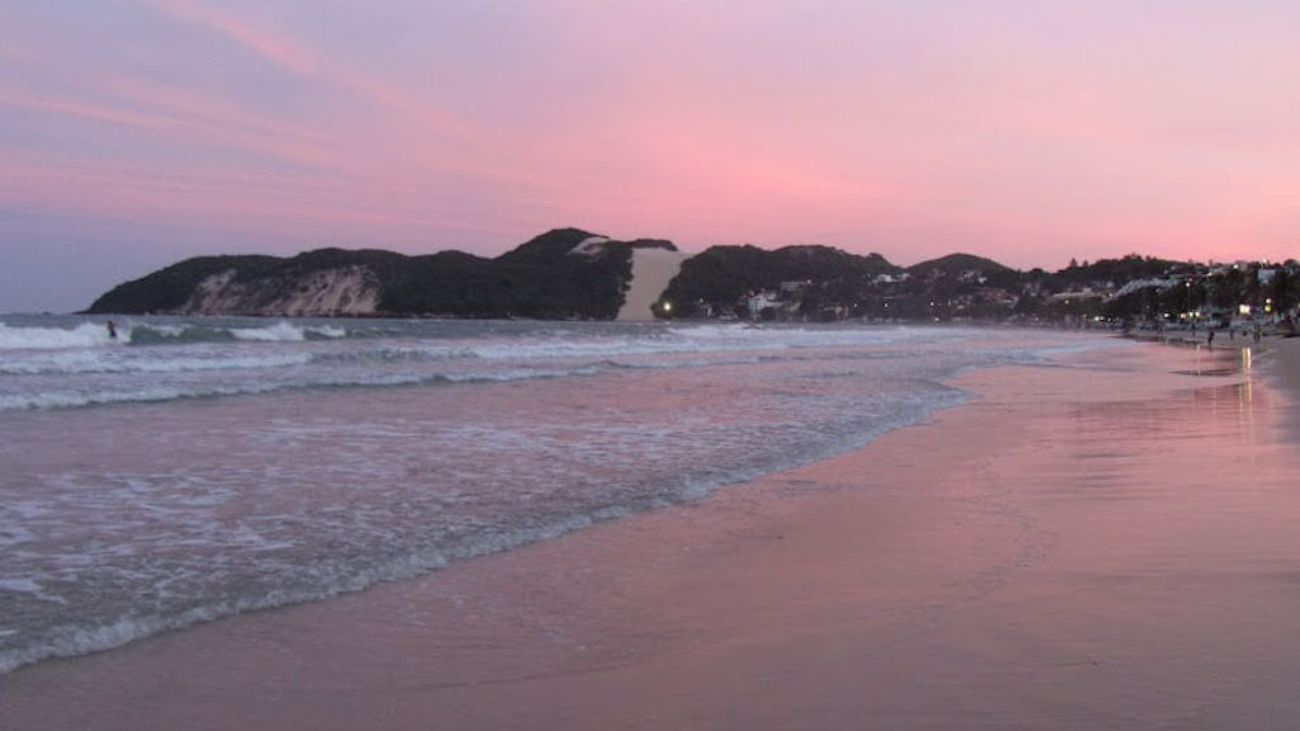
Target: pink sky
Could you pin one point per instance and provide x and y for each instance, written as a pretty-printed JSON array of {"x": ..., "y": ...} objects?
[{"x": 134, "y": 133}]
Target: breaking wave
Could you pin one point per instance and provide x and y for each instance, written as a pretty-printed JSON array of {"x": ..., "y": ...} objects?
[
  {"x": 67, "y": 399},
  {"x": 85, "y": 335}
]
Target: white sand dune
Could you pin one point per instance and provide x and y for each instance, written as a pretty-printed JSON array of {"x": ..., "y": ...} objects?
[{"x": 652, "y": 270}]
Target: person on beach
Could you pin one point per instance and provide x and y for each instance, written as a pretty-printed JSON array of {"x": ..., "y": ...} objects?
[{"x": 112, "y": 330}]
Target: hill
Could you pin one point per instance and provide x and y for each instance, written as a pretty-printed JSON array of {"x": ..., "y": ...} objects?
[
  {"x": 955, "y": 264},
  {"x": 564, "y": 273},
  {"x": 716, "y": 279},
  {"x": 570, "y": 273}
]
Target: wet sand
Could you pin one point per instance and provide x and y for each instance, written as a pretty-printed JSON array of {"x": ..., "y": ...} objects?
[
  {"x": 1109, "y": 542},
  {"x": 1282, "y": 360}
]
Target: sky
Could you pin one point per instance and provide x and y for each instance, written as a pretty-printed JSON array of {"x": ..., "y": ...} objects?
[{"x": 136, "y": 133}]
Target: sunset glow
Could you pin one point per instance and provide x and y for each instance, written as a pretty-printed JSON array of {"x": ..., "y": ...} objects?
[{"x": 134, "y": 133}]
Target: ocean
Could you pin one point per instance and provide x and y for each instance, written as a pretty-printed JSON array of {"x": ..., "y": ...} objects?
[{"x": 194, "y": 468}]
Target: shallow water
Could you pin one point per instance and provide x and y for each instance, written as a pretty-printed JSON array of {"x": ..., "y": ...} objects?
[
  {"x": 192, "y": 468},
  {"x": 1098, "y": 541}
]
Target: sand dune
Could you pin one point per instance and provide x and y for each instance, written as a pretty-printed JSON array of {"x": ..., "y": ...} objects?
[{"x": 652, "y": 270}]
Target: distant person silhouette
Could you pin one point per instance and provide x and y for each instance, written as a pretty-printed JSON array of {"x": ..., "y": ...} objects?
[{"x": 112, "y": 330}]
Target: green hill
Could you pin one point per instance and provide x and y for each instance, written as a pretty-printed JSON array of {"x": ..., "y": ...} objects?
[{"x": 542, "y": 278}]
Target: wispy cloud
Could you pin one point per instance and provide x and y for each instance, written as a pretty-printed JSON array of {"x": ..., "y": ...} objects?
[
  {"x": 278, "y": 50},
  {"x": 298, "y": 207},
  {"x": 75, "y": 108},
  {"x": 208, "y": 119},
  {"x": 292, "y": 56}
]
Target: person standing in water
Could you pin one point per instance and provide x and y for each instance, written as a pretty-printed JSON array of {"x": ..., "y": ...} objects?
[{"x": 112, "y": 330}]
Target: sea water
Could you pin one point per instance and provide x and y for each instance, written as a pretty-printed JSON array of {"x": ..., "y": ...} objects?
[{"x": 192, "y": 468}]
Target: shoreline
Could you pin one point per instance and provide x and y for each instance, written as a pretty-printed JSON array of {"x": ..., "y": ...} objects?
[{"x": 763, "y": 606}]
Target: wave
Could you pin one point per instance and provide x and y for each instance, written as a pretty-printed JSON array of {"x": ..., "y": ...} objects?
[
  {"x": 331, "y": 577},
  {"x": 95, "y": 334},
  {"x": 597, "y": 339},
  {"x": 69, "y": 399},
  {"x": 88, "y": 361},
  {"x": 777, "y": 337},
  {"x": 284, "y": 332},
  {"x": 658, "y": 365},
  {"x": 85, "y": 335}
]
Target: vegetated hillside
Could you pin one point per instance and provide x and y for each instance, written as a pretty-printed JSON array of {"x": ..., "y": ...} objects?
[
  {"x": 539, "y": 279},
  {"x": 570, "y": 273},
  {"x": 720, "y": 276},
  {"x": 954, "y": 270},
  {"x": 955, "y": 264},
  {"x": 1117, "y": 271},
  {"x": 542, "y": 278}
]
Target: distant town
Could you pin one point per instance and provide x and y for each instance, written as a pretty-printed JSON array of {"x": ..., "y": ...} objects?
[{"x": 1126, "y": 293}]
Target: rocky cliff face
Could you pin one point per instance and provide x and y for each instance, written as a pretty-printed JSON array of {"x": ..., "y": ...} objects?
[{"x": 352, "y": 290}]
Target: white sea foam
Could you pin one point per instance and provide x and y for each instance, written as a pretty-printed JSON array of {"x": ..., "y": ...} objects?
[
  {"x": 384, "y": 352},
  {"x": 66, "y": 399},
  {"x": 98, "y": 361},
  {"x": 746, "y": 336},
  {"x": 85, "y": 335},
  {"x": 331, "y": 579},
  {"x": 171, "y": 331},
  {"x": 20, "y": 585},
  {"x": 572, "y": 349},
  {"x": 328, "y": 331},
  {"x": 72, "y": 399},
  {"x": 279, "y": 332}
]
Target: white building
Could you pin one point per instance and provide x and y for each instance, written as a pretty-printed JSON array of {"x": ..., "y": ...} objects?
[{"x": 761, "y": 301}]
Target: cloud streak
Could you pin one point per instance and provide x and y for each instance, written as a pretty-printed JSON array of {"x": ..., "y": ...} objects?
[
  {"x": 278, "y": 50},
  {"x": 74, "y": 108},
  {"x": 291, "y": 56}
]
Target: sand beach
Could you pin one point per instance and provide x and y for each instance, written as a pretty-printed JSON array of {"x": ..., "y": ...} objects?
[{"x": 1107, "y": 541}]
